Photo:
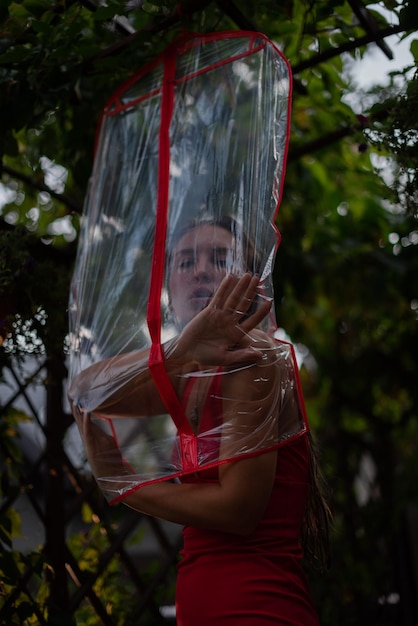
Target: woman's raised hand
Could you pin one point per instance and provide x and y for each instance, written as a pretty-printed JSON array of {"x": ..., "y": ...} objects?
[{"x": 219, "y": 334}]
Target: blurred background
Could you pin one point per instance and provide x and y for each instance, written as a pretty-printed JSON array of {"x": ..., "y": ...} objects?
[{"x": 346, "y": 294}]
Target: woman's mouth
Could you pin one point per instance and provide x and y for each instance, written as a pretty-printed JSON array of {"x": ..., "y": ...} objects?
[{"x": 201, "y": 297}]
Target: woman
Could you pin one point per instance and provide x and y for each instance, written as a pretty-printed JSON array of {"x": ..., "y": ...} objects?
[{"x": 243, "y": 515}]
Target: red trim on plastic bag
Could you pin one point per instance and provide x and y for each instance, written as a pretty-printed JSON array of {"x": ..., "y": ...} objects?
[
  {"x": 208, "y": 466},
  {"x": 185, "y": 42},
  {"x": 188, "y": 443},
  {"x": 179, "y": 45}
]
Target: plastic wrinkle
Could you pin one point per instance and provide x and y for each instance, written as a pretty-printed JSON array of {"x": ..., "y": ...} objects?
[{"x": 188, "y": 174}]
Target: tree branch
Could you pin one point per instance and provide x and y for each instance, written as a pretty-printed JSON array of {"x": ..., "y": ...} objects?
[
  {"x": 346, "y": 47},
  {"x": 236, "y": 15},
  {"x": 187, "y": 8},
  {"x": 367, "y": 20},
  {"x": 321, "y": 142}
]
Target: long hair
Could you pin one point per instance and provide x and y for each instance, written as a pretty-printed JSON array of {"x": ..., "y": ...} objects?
[
  {"x": 318, "y": 517},
  {"x": 317, "y": 520}
]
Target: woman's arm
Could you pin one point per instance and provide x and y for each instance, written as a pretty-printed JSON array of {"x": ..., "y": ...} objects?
[
  {"x": 214, "y": 337},
  {"x": 123, "y": 385},
  {"x": 112, "y": 387},
  {"x": 237, "y": 502}
]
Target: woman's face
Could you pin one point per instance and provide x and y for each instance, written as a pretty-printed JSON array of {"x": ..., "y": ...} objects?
[{"x": 200, "y": 260}]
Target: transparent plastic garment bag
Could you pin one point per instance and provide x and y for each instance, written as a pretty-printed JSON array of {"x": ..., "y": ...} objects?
[{"x": 187, "y": 179}]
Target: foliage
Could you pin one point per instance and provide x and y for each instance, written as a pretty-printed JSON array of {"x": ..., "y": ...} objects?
[
  {"x": 345, "y": 277},
  {"x": 27, "y": 300},
  {"x": 394, "y": 131},
  {"x": 349, "y": 299},
  {"x": 112, "y": 582},
  {"x": 16, "y": 601},
  {"x": 24, "y": 576},
  {"x": 113, "y": 586}
]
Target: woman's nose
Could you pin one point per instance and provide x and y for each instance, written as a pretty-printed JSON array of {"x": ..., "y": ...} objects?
[{"x": 202, "y": 270}]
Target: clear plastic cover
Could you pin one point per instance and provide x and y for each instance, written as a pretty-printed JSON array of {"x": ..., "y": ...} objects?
[{"x": 186, "y": 184}]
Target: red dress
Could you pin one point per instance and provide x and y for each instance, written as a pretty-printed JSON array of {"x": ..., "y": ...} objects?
[{"x": 256, "y": 580}]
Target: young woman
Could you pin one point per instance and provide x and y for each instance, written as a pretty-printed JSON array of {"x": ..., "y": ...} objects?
[{"x": 244, "y": 515}]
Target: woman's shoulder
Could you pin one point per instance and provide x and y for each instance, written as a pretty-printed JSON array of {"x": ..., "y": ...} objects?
[
  {"x": 274, "y": 352},
  {"x": 268, "y": 366}
]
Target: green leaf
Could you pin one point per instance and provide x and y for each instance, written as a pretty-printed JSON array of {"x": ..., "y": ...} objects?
[
  {"x": 5, "y": 532},
  {"x": 42, "y": 27},
  {"x": 104, "y": 13},
  {"x": 408, "y": 16},
  {"x": 414, "y": 50},
  {"x": 9, "y": 566},
  {"x": 15, "y": 55}
]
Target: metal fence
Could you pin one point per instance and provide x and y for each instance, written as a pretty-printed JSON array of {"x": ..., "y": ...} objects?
[{"x": 66, "y": 556}]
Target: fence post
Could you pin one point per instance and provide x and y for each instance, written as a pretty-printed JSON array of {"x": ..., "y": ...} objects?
[{"x": 55, "y": 546}]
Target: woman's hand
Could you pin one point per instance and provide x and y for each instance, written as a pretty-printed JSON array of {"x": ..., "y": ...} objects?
[{"x": 218, "y": 335}]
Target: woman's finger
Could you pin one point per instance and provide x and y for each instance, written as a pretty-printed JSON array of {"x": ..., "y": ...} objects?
[
  {"x": 242, "y": 297},
  {"x": 222, "y": 293},
  {"x": 255, "y": 318},
  {"x": 235, "y": 294}
]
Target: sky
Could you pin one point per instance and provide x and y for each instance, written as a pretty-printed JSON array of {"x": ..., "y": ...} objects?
[{"x": 374, "y": 67}]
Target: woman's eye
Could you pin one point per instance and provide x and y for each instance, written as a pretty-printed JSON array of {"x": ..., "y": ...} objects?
[{"x": 186, "y": 264}]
